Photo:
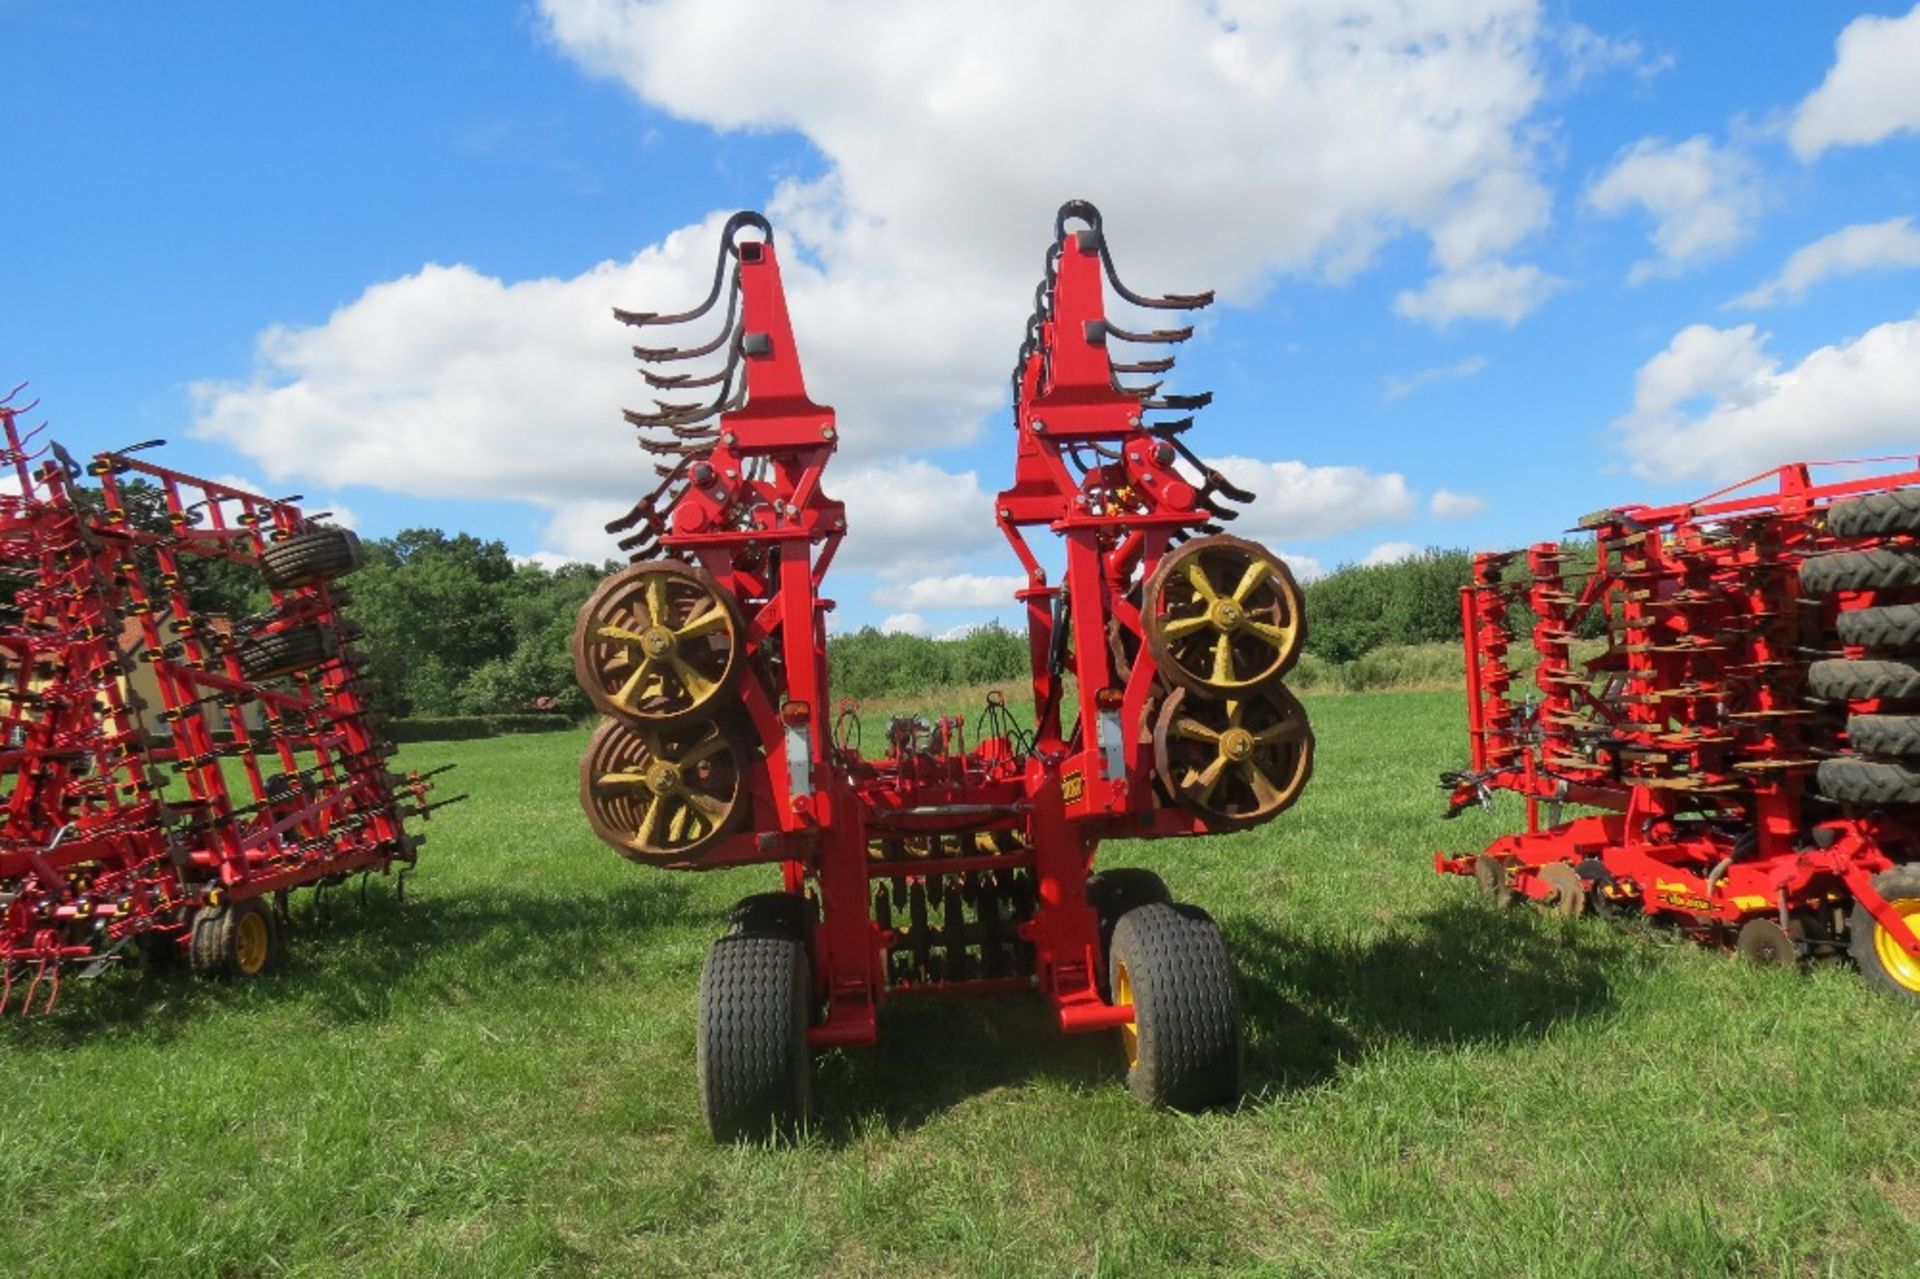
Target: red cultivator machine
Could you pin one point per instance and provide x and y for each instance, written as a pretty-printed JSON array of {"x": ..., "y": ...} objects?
[
  {"x": 941, "y": 868},
  {"x": 168, "y": 775},
  {"x": 1749, "y": 727}
]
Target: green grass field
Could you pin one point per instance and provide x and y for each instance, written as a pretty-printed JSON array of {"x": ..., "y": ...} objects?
[{"x": 495, "y": 1077}]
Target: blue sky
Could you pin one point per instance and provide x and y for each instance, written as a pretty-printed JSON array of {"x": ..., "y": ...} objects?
[{"x": 1483, "y": 258}]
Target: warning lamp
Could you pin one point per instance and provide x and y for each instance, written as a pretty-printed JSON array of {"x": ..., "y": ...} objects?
[
  {"x": 1108, "y": 699},
  {"x": 796, "y": 712}
]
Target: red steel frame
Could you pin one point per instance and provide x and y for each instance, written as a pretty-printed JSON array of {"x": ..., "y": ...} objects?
[
  {"x": 1690, "y": 732},
  {"x": 932, "y": 820},
  {"x": 101, "y": 844}
]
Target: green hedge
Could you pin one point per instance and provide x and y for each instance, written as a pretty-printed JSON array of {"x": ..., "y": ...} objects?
[{"x": 452, "y": 728}]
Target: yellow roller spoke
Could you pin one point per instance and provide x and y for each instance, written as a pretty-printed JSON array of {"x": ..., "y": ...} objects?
[
  {"x": 677, "y": 828},
  {"x": 1208, "y": 779},
  {"x": 710, "y": 622},
  {"x": 1235, "y": 711},
  {"x": 696, "y": 683},
  {"x": 1280, "y": 637},
  {"x": 622, "y": 779},
  {"x": 1293, "y": 729},
  {"x": 1257, "y": 572},
  {"x": 1197, "y": 576},
  {"x": 708, "y": 807},
  {"x": 649, "y": 820},
  {"x": 641, "y": 669},
  {"x": 1264, "y": 793},
  {"x": 619, "y": 635},
  {"x": 1193, "y": 730},
  {"x": 703, "y": 751},
  {"x": 1223, "y": 660},
  {"x": 656, "y": 594},
  {"x": 1181, "y": 627}
]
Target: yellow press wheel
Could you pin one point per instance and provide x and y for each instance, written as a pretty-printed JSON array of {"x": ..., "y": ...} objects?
[
  {"x": 663, "y": 796},
  {"x": 659, "y": 644},
  {"x": 1883, "y": 961},
  {"x": 1222, "y": 616},
  {"x": 235, "y": 939},
  {"x": 1236, "y": 762}
]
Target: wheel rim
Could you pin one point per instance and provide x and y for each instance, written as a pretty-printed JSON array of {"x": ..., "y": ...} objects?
[
  {"x": 1237, "y": 762},
  {"x": 1899, "y": 965},
  {"x": 250, "y": 944},
  {"x": 661, "y": 796},
  {"x": 1122, "y": 998},
  {"x": 1222, "y": 615},
  {"x": 657, "y": 644}
]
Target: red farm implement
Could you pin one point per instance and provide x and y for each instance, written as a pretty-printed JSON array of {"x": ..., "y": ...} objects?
[
  {"x": 167, "y": 774},
  {"x": 1747, "y": 724},
  {"x": 940, "y": 868}
]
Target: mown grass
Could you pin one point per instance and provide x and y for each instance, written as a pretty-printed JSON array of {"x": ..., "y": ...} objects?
[{"x": 495, "y": 1077}]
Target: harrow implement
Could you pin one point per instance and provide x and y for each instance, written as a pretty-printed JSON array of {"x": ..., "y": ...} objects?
[
  {"x": 940, "y": 868},
  {"x": 169, "y": 775},
  {"x": 1748, "y": 730}
]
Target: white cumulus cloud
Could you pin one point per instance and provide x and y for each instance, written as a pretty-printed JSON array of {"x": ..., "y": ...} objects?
[
  {"x": 920, "y": 237},
  {"x": 1295, "y": 501},
  {"x": 1390, "y": 553},
  {"x": 1715, "y": 403},
  {"x": 1869, "y": 94},
  {"x": 1448, "y": 505},
  {"x": 1865, "y": 246},
  {"x": 905, "y": 624},
  {"x": 1703, "y": 199},
  {"x": 957, "y": 590},
  {"x": 1401, "y": 387}
]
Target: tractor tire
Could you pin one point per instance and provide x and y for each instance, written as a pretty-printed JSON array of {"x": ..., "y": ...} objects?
[
  {"x": 1884, "y": 569},
  {"x": 307, "y": 558},
  {"x": 1883, "y": 963},
  {"x": 276, "y": 653},
  {"x": 1843, "y": 681},
  {"x": 1892, "y": 628},
  {"x": 1865, "y": 680},
  {"x": 1185, "y": 1046},
  {"x": 1885, "y": 735},
  {"x": 237, "y": 940},
  {"x": 779, "y": 915},
  {"x": 1876, "y": 514},
  {"x": 754, "y": 1068},
  {"x": 1861, "y": 781}
]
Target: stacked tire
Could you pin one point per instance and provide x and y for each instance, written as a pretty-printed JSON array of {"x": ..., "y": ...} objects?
[{"x": 1874, "y": 584}]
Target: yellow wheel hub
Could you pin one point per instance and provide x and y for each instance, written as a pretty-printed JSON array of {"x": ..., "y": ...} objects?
[
  {"x": 1226, "y": 615},
  {"x": 1236, "y": 744},
  {"x": 250, "y": 943},
  {"x": 664, "y": 779},
  {"x": 1900, "y": 966},
  {"x": 656, "y": 641},
  {"x": 1129, "y": 1031}
]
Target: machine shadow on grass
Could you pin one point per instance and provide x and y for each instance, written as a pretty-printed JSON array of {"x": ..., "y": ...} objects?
[
  {"x": 347, "y": 957},
  {"x": 1456, "y": 974}
]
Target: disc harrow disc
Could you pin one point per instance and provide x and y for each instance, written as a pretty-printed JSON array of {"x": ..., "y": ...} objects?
[
  {"x": 1222, "y": 616},
  {"x": 1236, "y": 762},
  {"x": 662, "y": 796},
  {"x": 1763, "y": 942},
  {"x": 658, "y": 644},
  {"x": 1568, "y": 894}
]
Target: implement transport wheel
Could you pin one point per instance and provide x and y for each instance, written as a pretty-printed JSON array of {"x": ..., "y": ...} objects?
[
  {"x": 1861, "y": 781},
  {"x": 1893, "y": 628},
  {"x": 277, "y": 653},
  {"x": 659, "y": 644},
  {"x": 1222, "y": 616},
  {"x": 1491, "y": 875},
  {"x": 236, "y": 939},
  {"x": 1876, "y": 514},
  {"x": 1884, "y": 734},
  {"x": 754, "y": 1068},
  {"x": 1112, "y": 893},
  {"x": 306, "y": 558},
  {"x": 1882, "y": 962},
  {"x": 1764, "y": 942},
  {"x": 662, "y": 797},
  {"x": 1884, "y": 569},
  {"x": 1842, "y": 681},
  {"x": 1236, "y": 762},
  {"x": 1184, "y": 1047},
  {"x": 772, "y": 915}
]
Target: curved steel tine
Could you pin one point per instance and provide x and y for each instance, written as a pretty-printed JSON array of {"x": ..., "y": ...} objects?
[
  {"x": 1167, "y": 430},
  {"x": 734, "y": 224},
  {"x": 1085, "y": 211},
  {"x": 1145, "y": 366},
  {"x": 695, "y": 431},
  {"x": 1155, "y": 335},
  {"x": 1199, "y": 401},
  {"x": 1145, "y": 392}
]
